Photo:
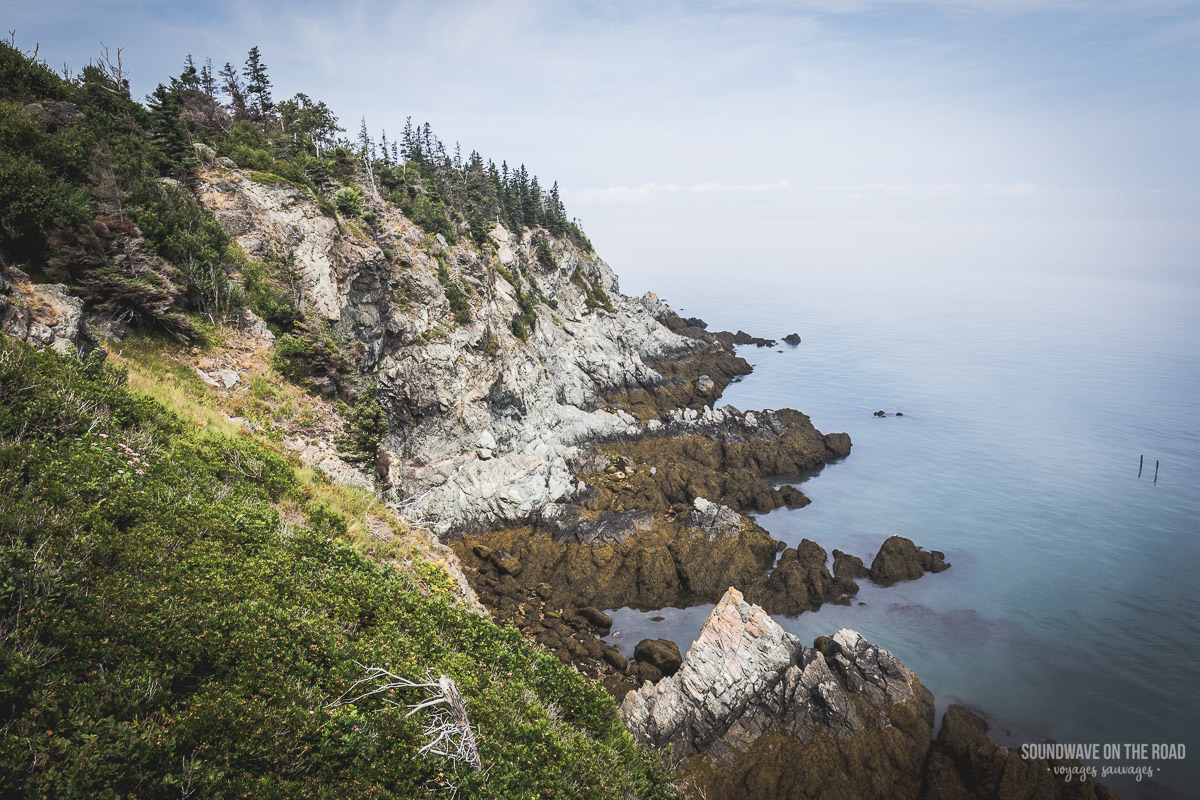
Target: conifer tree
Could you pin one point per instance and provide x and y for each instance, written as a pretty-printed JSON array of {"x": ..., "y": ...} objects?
[
  {"x": 258, "y": 88},
  {"x": 208, "y": 81},
  {"x": 232, "y": 86}
]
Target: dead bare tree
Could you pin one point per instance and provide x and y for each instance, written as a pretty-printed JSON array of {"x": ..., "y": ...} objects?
[
  {"x": 114, "y": 71},
  {"x": 447, "y": 729}
]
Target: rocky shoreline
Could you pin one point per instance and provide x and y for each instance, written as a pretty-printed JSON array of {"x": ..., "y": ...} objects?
[
  {"x": 753, "y": 713},
  {"x": 575, "y": 463}
]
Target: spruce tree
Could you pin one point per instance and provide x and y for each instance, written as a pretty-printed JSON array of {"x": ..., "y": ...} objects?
[
  {"x": 258, "y": 88},
  {"x": 232, "y": 86}
]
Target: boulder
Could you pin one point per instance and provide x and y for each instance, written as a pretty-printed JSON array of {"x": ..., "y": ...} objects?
[
  {"x": 800, "y": 581},
  {"x": 662, "y": 654},
  {"x": 792, "y": 338},
  {"x": 899, "y": 559},
  {"x": 505, "y": 562},
  {"x": 848, "y": 568},
  {"x": 596, "y": 618}
]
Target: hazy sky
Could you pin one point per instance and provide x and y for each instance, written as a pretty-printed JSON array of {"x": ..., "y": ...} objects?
[{"x": 858, "y": 137}]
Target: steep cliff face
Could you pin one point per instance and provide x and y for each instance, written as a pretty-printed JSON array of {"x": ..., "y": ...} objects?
[{"x": 483, "y": 421}]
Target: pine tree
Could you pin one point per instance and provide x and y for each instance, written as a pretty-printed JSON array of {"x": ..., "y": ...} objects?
[
  {"x": 258, "y": 88},
  {"x": 190, "y": 77},
  {"x": 232, "y": 86},
  {"x": 169, "y": 129},
  {"x": 208, "y": 81}
]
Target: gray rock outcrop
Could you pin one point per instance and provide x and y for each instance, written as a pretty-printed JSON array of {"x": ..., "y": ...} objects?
[
  {"x": 44, "y": 315},
  {"x": 745, "y": 678},
  {"x": 536, "y": 401}
]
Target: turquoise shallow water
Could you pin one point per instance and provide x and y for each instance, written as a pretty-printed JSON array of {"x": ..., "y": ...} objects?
[{"x": 1072, "y": 610}]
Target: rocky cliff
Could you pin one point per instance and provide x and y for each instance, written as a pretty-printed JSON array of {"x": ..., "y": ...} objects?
[{"x": 483, "y": 423}]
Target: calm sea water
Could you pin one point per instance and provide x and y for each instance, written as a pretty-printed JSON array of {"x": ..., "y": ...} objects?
[{"x": 1072, "y": 610}]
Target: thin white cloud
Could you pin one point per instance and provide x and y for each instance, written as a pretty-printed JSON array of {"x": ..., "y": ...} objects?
[
  {"x": 907, "y": 190},
  {"x": 645, "y": 191}
]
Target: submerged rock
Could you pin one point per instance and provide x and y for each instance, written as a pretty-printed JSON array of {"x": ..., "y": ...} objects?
[
  {"x": 899, "y": 559},
  {"x": 966, "y": 764}
]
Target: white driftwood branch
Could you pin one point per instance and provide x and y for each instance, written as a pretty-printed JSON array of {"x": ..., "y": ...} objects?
[{"x": 447, "y": 728}]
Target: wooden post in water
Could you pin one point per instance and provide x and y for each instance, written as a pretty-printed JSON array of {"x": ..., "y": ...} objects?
[
  {"x": 1156, "y": 472},
  {"x": 1141, "y": 460}
]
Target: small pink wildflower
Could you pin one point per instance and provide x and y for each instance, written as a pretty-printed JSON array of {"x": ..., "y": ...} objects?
[
  {"x": 129, "y": 463},
  {"x": 109, "y": 449},
  {"x": 139, "y": 472},
  {"x": 104, "y": 436},
  {"x": 120, "y": 472}
]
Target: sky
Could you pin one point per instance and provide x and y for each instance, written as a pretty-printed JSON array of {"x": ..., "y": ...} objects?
[{"x": 729, "y": 141}]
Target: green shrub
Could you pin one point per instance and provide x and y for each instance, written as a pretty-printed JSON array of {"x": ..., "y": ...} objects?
[
  {"x": 349, "y": 202},
  {"x": 459, "y": 305},
  {"x": 365, "y": 426},
  {"x": 311, "y": 356},
  {"x": 491, "y": 344},
  {"x": 171, "y": 635}
]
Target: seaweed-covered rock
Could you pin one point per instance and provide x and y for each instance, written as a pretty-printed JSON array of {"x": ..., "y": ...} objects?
[
  {"x": 800, "y": 582},
  {"x": 899, "y": 559},
  {"x": 662, "y": 654},
  {"x": 967, "y": 765}
]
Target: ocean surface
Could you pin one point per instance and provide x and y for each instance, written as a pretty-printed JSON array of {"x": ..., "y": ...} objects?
[{"x": 1072, "y": 610}]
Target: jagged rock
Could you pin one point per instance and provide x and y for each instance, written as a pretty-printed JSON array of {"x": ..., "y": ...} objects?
[
  {"x": 753, "y": 713},
  {"x": 254, "y": 324},
  {"x": 610, "y": 528},
  {"x": 662, "y": 654},
  {"x": 847, "y": 567},
  {"x": 705, "y": 385},
  {"x": 793, "y": 497},
  {"x": 792, "y": 339},
  {"x": 542, "y": 399},
  {"x": 899, "y": 559},
  {"x": 967, "y": 765}
]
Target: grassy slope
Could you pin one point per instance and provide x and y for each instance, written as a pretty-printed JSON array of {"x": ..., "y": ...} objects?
[{"x": 167, "y": 632}]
